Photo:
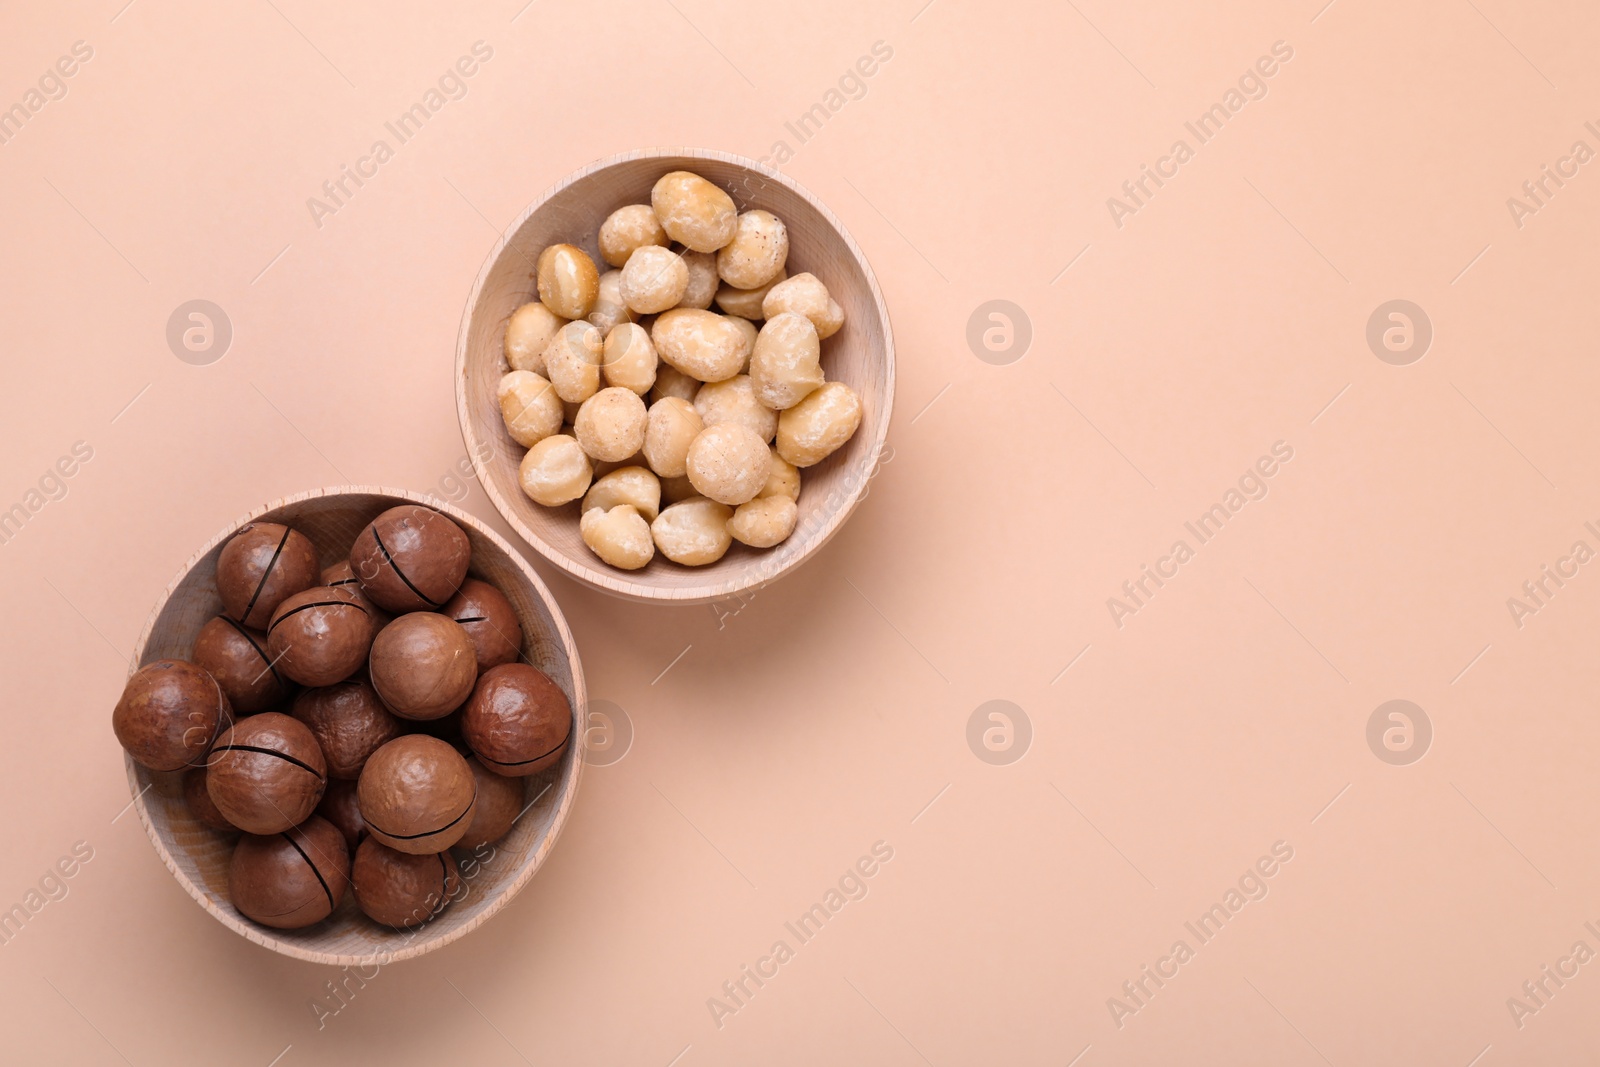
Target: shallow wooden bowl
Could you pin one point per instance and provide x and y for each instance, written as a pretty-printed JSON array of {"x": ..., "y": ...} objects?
[
  {"x": 861, "y": 355},
  {"x": 198, "y": 857}
]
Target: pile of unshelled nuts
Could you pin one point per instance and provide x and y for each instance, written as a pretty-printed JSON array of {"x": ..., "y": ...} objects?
[
  {"x": 352, "y": 747},
  {"x": 630, "y": 376}
]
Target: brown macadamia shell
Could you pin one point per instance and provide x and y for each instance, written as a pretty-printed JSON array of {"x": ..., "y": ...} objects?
[
  {"x": 320, "y": 636},
  {"x": 417, "y": 794},
  {"x": 170, "y": 714},
  {"x": 517, "y": 721},
  {"x": 260, "y": 566},
  {"x": 349, "y": 722},
  {"x": 423, "y": 665},
  {"x": 290, "y": 880},
  {"x": 402, "y": 889},
  {"x": 237, "y": 658},
  {"x": 411, "y": 558},
  {"x": 490, "y": 621},
  {"x": 266, "y": 774}
]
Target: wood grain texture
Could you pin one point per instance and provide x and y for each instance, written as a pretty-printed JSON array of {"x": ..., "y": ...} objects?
[
  {"x": 860, "y": 355},
  {"x": 198, "y": 857}
]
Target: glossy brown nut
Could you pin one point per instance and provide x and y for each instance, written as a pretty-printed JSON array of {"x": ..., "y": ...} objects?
[
  {"x": 341, "y": 575},
  {"x": 261, "y": 565},
  {"x": 423, "y": 665},
  {"x": 320, "y": 636},
  {"x": 402, "y": 889},
  {"x": 517, "y": 721},
  {"x": 290, "y": 880},
  {"x": 266, "y": 774},
  {"x": 500, "y": 801},
  {"x": 410, "y": 558},
  {"x": 199, "y": 801},
  {"x": 169, "y": 714},
  {"x": 489, "y": 619},
  {"x": 349, "y": 722},
  {"x": 417, "y": 794},
  {"x": 340, "y": 807},
  {"x": 237, "y": 658}
]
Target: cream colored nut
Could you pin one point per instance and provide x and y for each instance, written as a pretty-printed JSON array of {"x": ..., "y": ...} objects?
[
  {"x": 673, "y": 426},
  {"x": 784, "y": 479},
  {"x": 572, "y": 362},
  {"x": 568, "y": 281},
  {"x": 630, "y": 358},
  {"x": 609, "y": 311},
  {"x": 675, "y": 490},
  {"x": 530, "y": 407},
  {"x": 729, "y": 463},
  {"x": 703, "y": 280},
  {"x": 603, "y": 467},
  {"x": 735, "y": 401},
  {"x": 758, "y": 251},
  {"x": 746, "y": 303},
  {"x": 805, "y": 295},
  {"x": 694, "y": 212},
  {"x": 554, "y": 471},
  {"x": 702, "y": 344},
  {"x": 634, "y": 486},
  {"x": 653, "y": 280},
  {"x": 610, "y": 425},
  {"x": 620, "y": 536},
  {"x": 810, "y": 431},
  {"x": 786, "y": 363},
  {"x": 747, "y": 339},
  {"x": 628, "y": 229},
  {"x": 764, "y": 521},
  {"x": 693, "y": 532},
  {"x": 670, "y": 381},
  {"x": 569, "y": 412},
  {"x": 528, "y": 334}
]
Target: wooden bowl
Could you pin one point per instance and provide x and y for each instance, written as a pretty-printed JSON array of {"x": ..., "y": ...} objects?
[
  {"x": 861, "y": 355},
  {"x": 198, "y": 857}
]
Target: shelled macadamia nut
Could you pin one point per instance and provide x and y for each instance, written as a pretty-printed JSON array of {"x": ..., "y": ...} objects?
[
  {"x": 555, "y": 471},
  {"x": 702, "y": 344},
  {"x": 653, "y": 280},
  {"x": 609, "y": 309},
  {"x": 747, "y": 339},
  {"x": 634, "y": 486},
  {"x": 746, "y": 303},
  {"x": 410, "y": 558},
  {"x": 729, "y": 463},
  {"x": 703, "y": 280},
  {"x": 630, "y": 358},
  {"x": 693, "y": 532},
  {"x": 810, "y": 431},
  {"x": 735, "y": 400},
  {"x": 267, "y": 773},
  {"x": 400, "y": 889},
  {"x": 786, "y": 364},
  {"x": 260, "y": 566},
  {"x": 528, "y": 334},
  {"x": 694, "y": 212},
  {"x": 620, "y": 536},
  {"x": 610, "y": 426},
  {"x": 169, "y": 714},
  {"x": 805, "y": 295},
  {"x": 672, "y": 427},
  {"x": 417, "y": 793},
  {"x": 423, "y": 665},
  {"x": 784, "y": 480},
  {"x": 238, "y": 659},
  {"x": 290, "y": 880},
  {"x": 568, "y": 281},
  {"x": 530, "y": 407},
  {"x": 517, "y": 721},
  {"x": 758, "y": 251},
  {"x": 321, "y": 635},
  {"x": 670, "y": 381},
  {"x": 764, "y": 521},
  {"x": 490, "y": 621},
  {"x": 500, "y": 803},
  {"x": 627, "y": 230},
  {"x": 572, "y": 362}
]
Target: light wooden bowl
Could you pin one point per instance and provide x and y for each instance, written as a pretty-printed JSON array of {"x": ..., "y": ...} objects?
[
  {"x": 861, "y": 355},
  {"x": 198, "y": 857}
]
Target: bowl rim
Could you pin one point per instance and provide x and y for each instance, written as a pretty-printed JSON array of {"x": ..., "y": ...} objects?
[
  {"x": 268, "y": 938},
  {"x": 615, "y": 582}
]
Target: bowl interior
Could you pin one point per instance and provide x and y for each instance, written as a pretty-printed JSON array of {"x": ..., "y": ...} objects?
[
  {"x": 198, "y": 856},
  {"x": 860, "y": 355}
]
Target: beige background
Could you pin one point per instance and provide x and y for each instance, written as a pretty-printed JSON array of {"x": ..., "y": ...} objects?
[{"x": 774, "y": 746}]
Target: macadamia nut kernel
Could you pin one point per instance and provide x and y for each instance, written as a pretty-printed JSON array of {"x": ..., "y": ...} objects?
[
  {"x": 619, "y": 536},
  {"x": 530, "y": 407},
  {"x": 672, "y": 426},
  {"x": 609, "y": 310},
  {"x": 746, "y": 303},
  {"x": 694, "y": 212},
  {"x": 764, "y": 521},
  {"x": 735, "y": 400},
  {"x": 555, "y": 471},
  {"x": 568, "y": 281},
  {"x": 572, "y": 362},
  {"x": 758, "y": 251},
  {"x": 693, "y": 532},
  {"x": 628, "y": 229},
  {"x": 787, "y": 361},
  {"x": 654, "y": 279},
  {"x": 703, "y": 280},
  {"x": 670, "y": 381},
  {"x": 630, "y": 358},
  {"x": 784, "y": 479},
  {"x": 634, "y": 486},
  {"x": 611, "y": 424},
  {"x": 528, "y": 333},
  {"x": 702, "y": 344},
  {"x": 729, "y": 463},
  {"x": 809, "y": 432},
  {"x": 805, "y": 295}
]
